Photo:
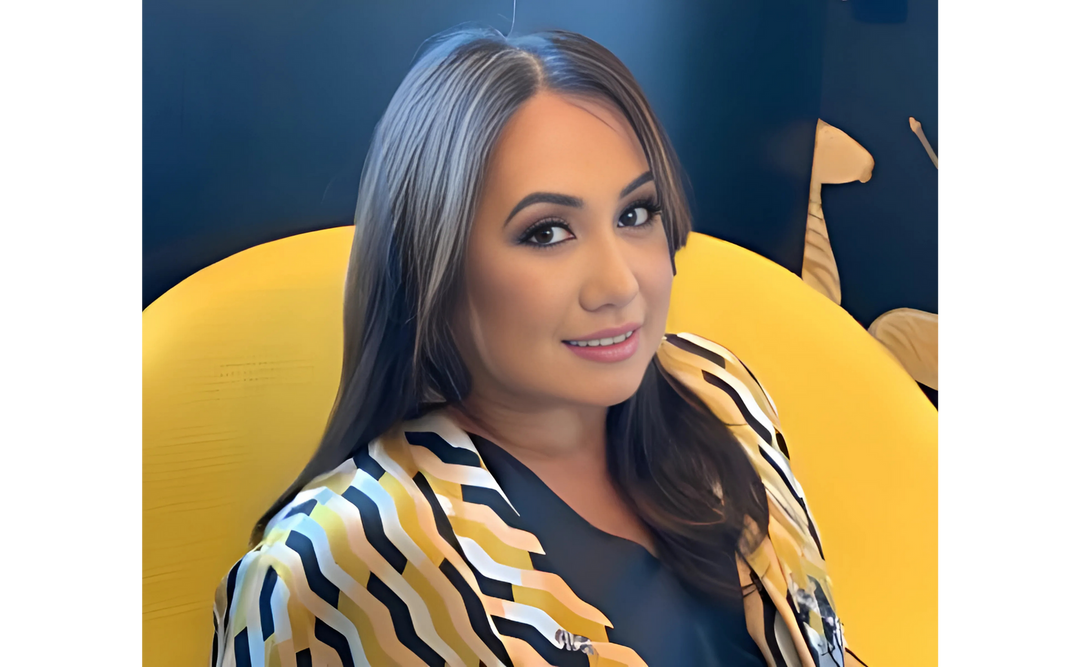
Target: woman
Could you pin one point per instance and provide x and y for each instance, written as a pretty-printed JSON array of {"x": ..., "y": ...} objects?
[{"x": 521, "y": 467}]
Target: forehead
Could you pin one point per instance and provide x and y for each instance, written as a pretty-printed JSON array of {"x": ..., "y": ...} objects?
[{"x": 565, "y": 143}]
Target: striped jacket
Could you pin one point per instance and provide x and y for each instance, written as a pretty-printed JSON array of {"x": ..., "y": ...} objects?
[{"x": 379, "y": 561}]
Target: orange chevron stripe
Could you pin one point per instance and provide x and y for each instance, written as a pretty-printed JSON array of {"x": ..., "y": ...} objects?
[{"x": 486, "y": 516}]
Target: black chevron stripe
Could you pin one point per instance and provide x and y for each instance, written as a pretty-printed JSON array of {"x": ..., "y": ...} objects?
[
  {"x": 475, "y": 609},
  {"x": 480, "y": 495},
  {"x": 694, "y": 348},
  {"x": 552, "y": 654},
  {"x": 316, "y": 580},
  {"x": 442, "y": 524},
  {"x": 334, "y": 640},
  {"x": 266, "y": 613},
  {"x": 369, "y": 465},
  {"x": 214, "y": 647},
  {"x": 230, "y": 588},
  {"x": 403, "y": 622},
  {"x": 446, "y": 452},
  {"x": 303, "y": 508},
  {"x": 488, "y": 586},
  {"x": 373, "y": 528},
  {"x": 761, "y": 429},
  {"x": 241, "y": 649},
  {"x": 787, "y": 482}
]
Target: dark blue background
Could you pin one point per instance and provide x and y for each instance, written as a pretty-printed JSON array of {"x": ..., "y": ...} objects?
[{"x": 257, "y": 117}]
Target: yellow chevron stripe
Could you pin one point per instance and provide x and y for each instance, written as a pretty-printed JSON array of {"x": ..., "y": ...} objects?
[
  {"x": 416, "y": 577},
  {"x": 284, "y": 653},
  {"x": 616, "y": 655},
  {"x": 554, "y": 585},
  {"x": 776, "y": 587},
  {"x": 499, "y": 551},
  {"x": 301, "y": 620},
  {"x": 562, "y": 615},
  {"x": 398, "y": 448},
  {"x": 407, "y": 515},
  {"x": 272, "y": 657},
  {"x": 685, "y": 363},
  {"x": 369, "y": 636},
  {"x": 423, "y": 531},
  {"x": 442, "y": 616},
  {"x": 443, "y": 488},
  {"x": 483, "y": 514},
  {"x": 246, "y": 591},
  {"x": 376, "y": 614},
  {"x": 522, "y": 654},
  {"x": 337, "y": 480},
  {"x": 337, "y": 535},
  {"x": 548, "y": 592},
  {"x": 754, "y": 611}
]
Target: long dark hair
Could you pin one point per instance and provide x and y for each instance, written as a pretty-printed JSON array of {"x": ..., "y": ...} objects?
[{"x": 678, "y": 466}]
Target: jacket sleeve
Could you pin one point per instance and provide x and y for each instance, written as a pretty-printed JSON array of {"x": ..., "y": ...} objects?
[
  {"x": 738, "y": 398},
  {"x": 257, "y": 620}
]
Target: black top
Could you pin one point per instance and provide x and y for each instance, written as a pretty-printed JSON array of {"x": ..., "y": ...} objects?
[{"x": 651, "y": 611}]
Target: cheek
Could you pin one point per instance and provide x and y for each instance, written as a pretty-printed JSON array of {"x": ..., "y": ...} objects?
[
  {"x": 655, "y": 281},
  {"x": 517, "y": 307}
]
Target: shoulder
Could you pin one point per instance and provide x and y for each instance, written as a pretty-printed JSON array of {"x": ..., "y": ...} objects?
[
  {"x": 255, "y": 610},
  {"x": 725, "y": 383},
  {"x": 355, "y": 562},
  {"x": 283, "y": 597}
]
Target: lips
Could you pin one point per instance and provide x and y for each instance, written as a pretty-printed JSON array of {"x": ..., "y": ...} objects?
[
  {"x": 610, "y": 332},
  {"x": 614, "y": 352}
]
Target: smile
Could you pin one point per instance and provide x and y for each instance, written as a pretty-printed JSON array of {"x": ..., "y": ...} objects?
[
  {"x": 607, "y": 349},
  {"x": 601, "y": 342}
]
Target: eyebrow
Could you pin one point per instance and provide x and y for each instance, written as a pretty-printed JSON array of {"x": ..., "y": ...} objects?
[{"x": 567, "y": 200}]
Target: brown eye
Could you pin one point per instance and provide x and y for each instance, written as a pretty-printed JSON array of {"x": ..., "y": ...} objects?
[
  {"x": 547, "y": 234},
  {"x": 635, "y": 217}
]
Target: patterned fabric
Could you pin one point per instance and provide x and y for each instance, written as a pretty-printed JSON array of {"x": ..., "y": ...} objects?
[{"x": 411, "y": 554}]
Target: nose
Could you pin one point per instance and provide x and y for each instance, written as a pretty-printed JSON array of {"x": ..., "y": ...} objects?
[{"x": 609, "y": 274}]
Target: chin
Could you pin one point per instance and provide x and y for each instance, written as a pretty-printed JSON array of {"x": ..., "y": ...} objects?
[{"x": 607, "y": 389}]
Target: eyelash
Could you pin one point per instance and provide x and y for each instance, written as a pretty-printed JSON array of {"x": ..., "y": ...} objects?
[{"x": 648, "y": 203}]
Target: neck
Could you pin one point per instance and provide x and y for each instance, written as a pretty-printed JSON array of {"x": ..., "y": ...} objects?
[{"x": 536, "y": 433}]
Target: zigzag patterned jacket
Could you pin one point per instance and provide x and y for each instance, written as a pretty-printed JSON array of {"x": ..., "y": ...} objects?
[{"x": 403, "y": 521}]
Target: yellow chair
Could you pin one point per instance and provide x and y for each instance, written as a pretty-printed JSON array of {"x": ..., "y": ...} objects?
[{"x": 241, "y": 364}]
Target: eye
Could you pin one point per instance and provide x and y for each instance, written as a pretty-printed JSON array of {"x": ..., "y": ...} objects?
[
  {"x": 546, "y": 234},
  {"x": 634, "y": 217},
  {"x": 639, "y": 214}
]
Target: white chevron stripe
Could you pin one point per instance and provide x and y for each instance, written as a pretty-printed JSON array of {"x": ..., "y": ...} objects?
[
  {"x": 778, "y": 458},
  {"x": 421, "y": 618},
  {"x": 400, "y": 538},
  {"x": 253, "y": 587},
  {"x": 238, "y": 591},
  {"x": 537, "y": 618},
  {"x": 749, "y": 401},
  {"x": 466, "y": 475},
  {"x": 439, "y": 423},
  {"x": 515, "y": 537},
  {"x": 487, "y": 565},
  {"x": 547, "y": 582},
  {"x": 319, "y": 607},
  {"x": 279, "y": 608},
  {"x": 730, "y": 356}
]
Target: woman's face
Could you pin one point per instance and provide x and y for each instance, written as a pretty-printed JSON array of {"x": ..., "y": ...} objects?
[{"x": 566, "y": 249}]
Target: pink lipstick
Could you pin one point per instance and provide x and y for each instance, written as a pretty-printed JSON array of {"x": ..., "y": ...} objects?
[{"x": 605, "y": 345}]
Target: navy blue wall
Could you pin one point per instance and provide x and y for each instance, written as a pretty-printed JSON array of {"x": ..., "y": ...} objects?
[
  {"x": 880, "y": 67},
  {"x": 257, "y": 115}
]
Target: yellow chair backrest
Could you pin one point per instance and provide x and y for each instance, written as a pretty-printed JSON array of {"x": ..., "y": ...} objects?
[{"x": 240, "y": 368}]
